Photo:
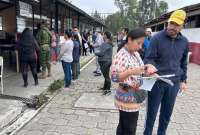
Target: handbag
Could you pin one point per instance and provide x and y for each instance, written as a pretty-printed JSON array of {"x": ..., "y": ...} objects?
[
  {"x": 140, "y": 95},
  {"x": 86, "y": 45}
]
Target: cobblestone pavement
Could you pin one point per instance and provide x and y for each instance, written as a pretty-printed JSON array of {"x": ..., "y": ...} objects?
[{"x": 60, "y": 117}]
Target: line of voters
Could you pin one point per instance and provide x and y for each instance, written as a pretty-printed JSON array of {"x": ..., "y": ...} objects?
[{"x": 40, "y": 48}]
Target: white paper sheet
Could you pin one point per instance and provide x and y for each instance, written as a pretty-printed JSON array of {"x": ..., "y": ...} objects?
[{"x": 148, "y": 82}]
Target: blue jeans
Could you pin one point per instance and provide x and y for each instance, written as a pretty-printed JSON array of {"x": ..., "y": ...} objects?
[
  {"x": 67, "y": 71},
  {"x": 165, "y": 95}
]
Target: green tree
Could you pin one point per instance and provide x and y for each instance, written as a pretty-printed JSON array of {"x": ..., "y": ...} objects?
[
  {"x": 128, "y": 9},
  {"x": 150, "y": 9},
  {"x": 135, "y": 13},
  {"x": 114, "y": 22},
  {"x": 162, "y": 8},
  {"x": 146, "y": 10}
]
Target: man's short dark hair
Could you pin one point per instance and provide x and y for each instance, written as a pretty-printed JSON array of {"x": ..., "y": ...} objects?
[
  {"x": 75, "y": 27},
  {"x": 68, "y": 32},
  {"x": 43, "y": 23},
  {"x": 126, "y": 30}
]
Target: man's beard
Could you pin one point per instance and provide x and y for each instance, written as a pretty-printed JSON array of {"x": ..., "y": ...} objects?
[{"x": 172, "y": 32}]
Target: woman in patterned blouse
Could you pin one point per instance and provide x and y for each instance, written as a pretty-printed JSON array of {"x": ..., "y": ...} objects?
[{"x": 127, "y": 67}]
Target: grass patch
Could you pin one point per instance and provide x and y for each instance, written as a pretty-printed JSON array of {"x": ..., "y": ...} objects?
[
  {"x": 38, "y": 101},
  {"x": 56, "y": 85}
]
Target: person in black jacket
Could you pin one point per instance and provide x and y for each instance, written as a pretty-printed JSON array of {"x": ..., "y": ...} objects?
[
  {"x": 27, "y": 48},
  {"x": 84, "y": 42},
  {"x": 76, "y": 57},
  {"x": 105, "y": 60}
]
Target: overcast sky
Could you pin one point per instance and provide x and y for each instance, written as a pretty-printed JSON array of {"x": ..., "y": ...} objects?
[
  {"x": 107, "y": 6},
  {"x": 102, "y": 6},
  {"x": 174, "y": 4}
]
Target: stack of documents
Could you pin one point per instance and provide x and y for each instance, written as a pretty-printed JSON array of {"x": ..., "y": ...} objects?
[{"x": 148, "y": 82}]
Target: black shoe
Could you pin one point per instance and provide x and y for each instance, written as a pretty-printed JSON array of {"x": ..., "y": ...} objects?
[
  {"x": 36, "y": 83},
  {"x": 106, "y": 92},
  {"x": 102, "y": 89},
  {"x": 97, "y": 74},
  {"x": 39, "y": 71},
  {"x": 25, "y": 85}
]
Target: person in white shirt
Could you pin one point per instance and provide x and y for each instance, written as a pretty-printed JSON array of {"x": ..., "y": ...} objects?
[
  {"x": 66, "y": 57},
  {"x": 98, "y": 42}
]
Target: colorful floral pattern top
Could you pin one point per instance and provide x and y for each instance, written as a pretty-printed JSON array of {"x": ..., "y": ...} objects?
[{"x": 125, "y": 94}]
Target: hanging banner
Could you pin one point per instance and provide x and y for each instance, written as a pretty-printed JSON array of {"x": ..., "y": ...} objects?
[{"x": 25, "y": 9}]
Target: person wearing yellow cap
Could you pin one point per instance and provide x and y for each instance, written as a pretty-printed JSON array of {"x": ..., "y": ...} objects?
[{"x": 168, "y": 53}]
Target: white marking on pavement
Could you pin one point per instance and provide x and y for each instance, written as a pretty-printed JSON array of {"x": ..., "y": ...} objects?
[{"x": 87, "y": 64}]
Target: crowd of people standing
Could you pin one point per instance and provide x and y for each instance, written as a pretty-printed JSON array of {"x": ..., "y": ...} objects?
[
  {"x": 41, "y": 48},
  {"x": 139, "y": 54}
]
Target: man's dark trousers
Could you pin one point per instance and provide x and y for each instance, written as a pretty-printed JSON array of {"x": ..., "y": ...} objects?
[{"x": 164, "y": 94}]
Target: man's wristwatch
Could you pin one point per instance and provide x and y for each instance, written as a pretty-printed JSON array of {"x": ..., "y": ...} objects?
[{"x": 184, "y": 81}]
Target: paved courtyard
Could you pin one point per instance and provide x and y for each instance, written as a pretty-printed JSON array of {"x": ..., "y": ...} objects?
[
  {"x": 11, "y": 110},
  {"x": 68, "y": 113}
]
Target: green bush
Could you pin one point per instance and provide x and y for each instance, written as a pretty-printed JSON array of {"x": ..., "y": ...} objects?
[
  {"x": 55, "y": 85},
  {"x": 38, "y": 101}
]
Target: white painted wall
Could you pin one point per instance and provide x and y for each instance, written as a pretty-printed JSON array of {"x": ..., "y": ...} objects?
[{"x": 192, "y": 34}]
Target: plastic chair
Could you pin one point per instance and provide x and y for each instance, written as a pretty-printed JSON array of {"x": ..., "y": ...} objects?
[{"x": 1, "y": 73}]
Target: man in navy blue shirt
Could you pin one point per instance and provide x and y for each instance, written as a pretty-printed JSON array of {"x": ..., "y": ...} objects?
[{"x": 168, "y": 53}]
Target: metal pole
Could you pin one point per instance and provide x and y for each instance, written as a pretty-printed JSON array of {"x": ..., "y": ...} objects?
[
  {"x": 56, "y": 17},
  {"x": 33, "y": 19},
  {"x": 40, "y": 10},
  {"x": 16, "y": 13}
]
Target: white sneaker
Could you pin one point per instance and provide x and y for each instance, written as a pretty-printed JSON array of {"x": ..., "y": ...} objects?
[{"x": 66, "y": 88}]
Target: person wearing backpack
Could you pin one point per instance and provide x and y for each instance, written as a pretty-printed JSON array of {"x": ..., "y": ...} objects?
[
  {"x": 44, "y": 41},
  {"x": 27, "y": 48}
]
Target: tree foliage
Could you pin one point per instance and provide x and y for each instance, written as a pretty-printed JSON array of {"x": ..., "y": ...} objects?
[
  {"x": 133, "y": 13},
  {"x": 162, "y": 8},
  {"x": 96, "y": 14}
]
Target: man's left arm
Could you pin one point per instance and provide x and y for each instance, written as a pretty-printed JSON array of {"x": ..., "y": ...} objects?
[{"x": 184, "y": 67}]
